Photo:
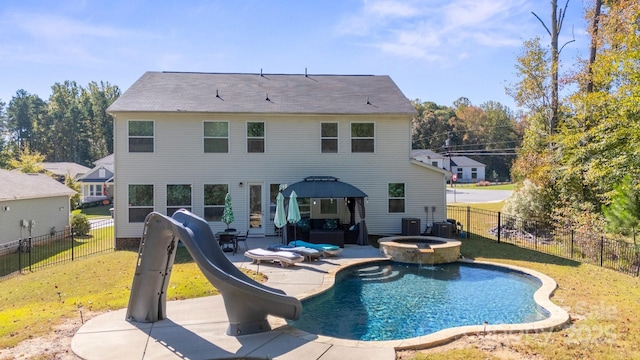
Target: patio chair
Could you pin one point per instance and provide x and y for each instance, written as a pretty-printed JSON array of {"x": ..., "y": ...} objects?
[
  {"x": 243, "y": 238},
  {"x": 226, "y": 240}
]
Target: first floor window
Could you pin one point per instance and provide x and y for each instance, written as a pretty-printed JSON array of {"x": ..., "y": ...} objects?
[
  {"x": 178, "y": 197},
  {"x": 474, "y": 173},
  {"x": 140, "y": 202},
  {"x": 396, "y": 197},
  {"x": 214, "y": 195}
]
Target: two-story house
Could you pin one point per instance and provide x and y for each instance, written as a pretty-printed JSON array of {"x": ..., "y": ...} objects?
[{"x": 184, "y": 140}]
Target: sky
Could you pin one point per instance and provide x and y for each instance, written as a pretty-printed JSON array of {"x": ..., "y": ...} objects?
[{"x": 435, "y": 50}]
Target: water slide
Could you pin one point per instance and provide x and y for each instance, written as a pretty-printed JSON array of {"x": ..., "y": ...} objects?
[{"x": 247, "y": 302}]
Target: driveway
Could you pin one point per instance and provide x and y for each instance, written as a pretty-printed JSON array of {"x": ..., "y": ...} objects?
[{"x": 466, "y": 195}]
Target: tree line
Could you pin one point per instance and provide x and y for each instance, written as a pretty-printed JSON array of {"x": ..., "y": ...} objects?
[
  {"x": 488, "y": 133},
  {"x": 71, "y": 126},
  {"x": 579, "y": 156}
]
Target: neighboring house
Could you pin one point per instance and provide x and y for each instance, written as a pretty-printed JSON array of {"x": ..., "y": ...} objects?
[
  {"x": 62, "y": 169},
  {"x": 31, "y": 205},
  {"x": 183, "y": 140},
  {"x": 97, "y": 183},
  {"x": 466, "y": 169}
]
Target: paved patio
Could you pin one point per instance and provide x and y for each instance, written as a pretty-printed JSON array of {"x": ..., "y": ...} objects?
[{"x": 196, "y": 328}]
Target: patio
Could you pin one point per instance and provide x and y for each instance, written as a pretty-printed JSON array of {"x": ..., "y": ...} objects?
[{"x": 195, "y": 328}]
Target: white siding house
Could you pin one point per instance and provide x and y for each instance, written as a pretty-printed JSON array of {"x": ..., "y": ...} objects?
[
  {"x": 466, "y": 169},
  {"x": 185, "y": 139},
  {"x": 31, "y": 205}
]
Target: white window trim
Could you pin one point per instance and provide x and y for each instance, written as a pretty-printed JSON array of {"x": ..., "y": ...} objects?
[
  {"x": 337, "y": 137},
  {"x": 375, "y": 135},
  {"x": 246, "y": 136},
  {"x": 394, "y": 198},
  {"x": 228, "y": 137},
  {"x": 141, "y": 137}
]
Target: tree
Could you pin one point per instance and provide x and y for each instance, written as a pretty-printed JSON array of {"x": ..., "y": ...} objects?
[
  {"x": 28, "y": 162},
  {"x": 623, "y": 213},
  {"x": 24, "y": 113},
  {"x": 69, "y": 124},
  {"x": 431, "y": 126},
  {"x": 557, "y": 20}
]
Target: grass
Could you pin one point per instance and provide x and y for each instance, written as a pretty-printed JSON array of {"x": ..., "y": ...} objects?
[
  {"x": 98, "y": 212},
  {"x": 34, "y": 303},
  {"x": 490, "y": 206},
  {"x": 488, "y": 187}
]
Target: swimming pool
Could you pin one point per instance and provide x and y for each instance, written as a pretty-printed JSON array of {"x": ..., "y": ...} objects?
[{"x": 390, "y": 301}]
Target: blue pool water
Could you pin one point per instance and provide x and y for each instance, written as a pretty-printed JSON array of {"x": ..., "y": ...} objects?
[{"x": 391, "y": 301}]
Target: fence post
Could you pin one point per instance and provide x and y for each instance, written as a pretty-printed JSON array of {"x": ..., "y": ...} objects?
[
  {"x": 29, "y": 253},
  {"x": 72, "y": 244},
  {"x": 468, "y": 221},
  {"x": 499, "y": 227},
  {"x": 601, "y": 250},
  {"x": 571, "y": 256},
  {"x": 20, "y": 255}
]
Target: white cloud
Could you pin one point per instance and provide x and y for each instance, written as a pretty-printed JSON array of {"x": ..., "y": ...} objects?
[{"x": 433, "y": 30}]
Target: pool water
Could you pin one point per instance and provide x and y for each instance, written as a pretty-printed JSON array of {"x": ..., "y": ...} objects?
[{"x": 392, "y": 301}]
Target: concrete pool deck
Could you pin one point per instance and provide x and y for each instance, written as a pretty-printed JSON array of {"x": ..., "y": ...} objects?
[{"x": 196, "y": 328}]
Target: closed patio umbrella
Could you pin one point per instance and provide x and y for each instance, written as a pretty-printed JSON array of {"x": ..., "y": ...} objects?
[
  {"x": 280, "y": 218},
  {"x": 227, "y": 213},
  {"x": 294, "y": 211}
]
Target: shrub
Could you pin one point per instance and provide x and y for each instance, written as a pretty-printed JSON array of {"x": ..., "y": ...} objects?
[{"x": 80, "y": 224}]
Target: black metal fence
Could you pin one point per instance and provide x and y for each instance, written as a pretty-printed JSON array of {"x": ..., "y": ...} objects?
[
  {"x": 591, "y": 248},
  {"x": 30, "y": 254}
]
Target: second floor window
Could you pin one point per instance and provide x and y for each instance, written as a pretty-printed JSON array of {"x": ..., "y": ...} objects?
[
  {"x": 214, "y": 201},
  {"x": 362, "y": 138},
  {"x": 216, "y": 137},
  {"x": 255, "y": 137},
  {"x": 329, "y": 133},
  {"x": 140, "y": 136},
  {"x": 396, "y": 197},
  {"x": 178, "y": 197}
]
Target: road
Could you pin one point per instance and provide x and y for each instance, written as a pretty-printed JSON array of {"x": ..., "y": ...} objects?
[{"x": 466, "y": 195}]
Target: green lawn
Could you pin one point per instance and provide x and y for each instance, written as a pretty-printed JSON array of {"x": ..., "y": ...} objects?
[
  {"x": 489, "y": 187},
  {"x": 97, "y": 212},
  {"x": 34, "y": 303}
]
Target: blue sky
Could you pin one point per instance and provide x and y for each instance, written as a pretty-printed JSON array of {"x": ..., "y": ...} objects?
[{"x": 435, "y": 50}]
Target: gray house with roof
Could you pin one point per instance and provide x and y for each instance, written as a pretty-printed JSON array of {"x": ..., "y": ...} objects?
[
  {"x": 31, "y": 205},
  {"x": 97, "y": 183},
  {"x": 184, "y": 140}
]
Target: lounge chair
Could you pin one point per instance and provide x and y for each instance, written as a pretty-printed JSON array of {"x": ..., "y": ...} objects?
[
  {"x": 285, "y": 258},
  {"x": 327, "y": 249},
  {"x": 308, "y": 253}
]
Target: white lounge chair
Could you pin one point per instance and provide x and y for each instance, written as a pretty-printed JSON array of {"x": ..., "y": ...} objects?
[
  {"x": 285, "y": 258},
  {"x": 308, "y": 253}
]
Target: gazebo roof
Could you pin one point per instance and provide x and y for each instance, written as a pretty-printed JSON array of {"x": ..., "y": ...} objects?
[{"x": 323, "y": 187}]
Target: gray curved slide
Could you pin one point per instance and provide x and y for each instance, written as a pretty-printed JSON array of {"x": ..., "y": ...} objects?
[{"x": 247, "y": 302}]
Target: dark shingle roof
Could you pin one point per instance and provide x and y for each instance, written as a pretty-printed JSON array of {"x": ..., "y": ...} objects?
[{"x": 267, "y": 93}]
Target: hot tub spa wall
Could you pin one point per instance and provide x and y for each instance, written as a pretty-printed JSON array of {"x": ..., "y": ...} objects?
[{"x": 401, "y": 249}]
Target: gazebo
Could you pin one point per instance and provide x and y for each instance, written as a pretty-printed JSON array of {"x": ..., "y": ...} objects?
[{"x": 329, "y": 187}]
